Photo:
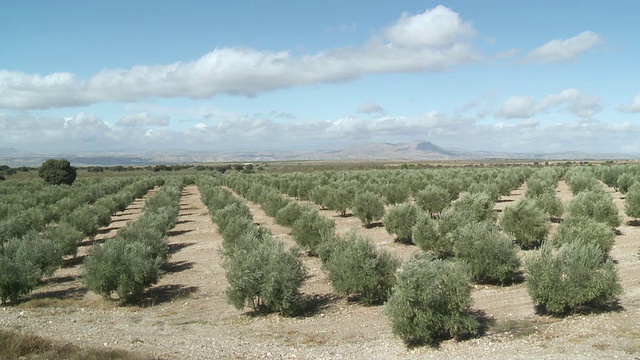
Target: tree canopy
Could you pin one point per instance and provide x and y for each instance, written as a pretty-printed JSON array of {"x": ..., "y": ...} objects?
[{"x": 56, "y": 172}]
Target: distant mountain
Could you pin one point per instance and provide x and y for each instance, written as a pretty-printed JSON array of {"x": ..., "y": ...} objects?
[{"x": 415, "y": 150}]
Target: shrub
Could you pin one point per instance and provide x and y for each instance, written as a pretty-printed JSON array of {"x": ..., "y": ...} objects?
[
  {"x": 587, "y": 230},
  {"x": 88, "y": 220},
  {"x": 368, "y": 207},
  {"x": 400, "y": 221},
  {"x": 265, "y": 277},
  {"x": 127, "y": 268},
  {"x": 597, "y": 205},
  {"x": 632, "y": 201},
  {"x": 476, "y": 206},
  {"x": 359, "y": 269},
  {"x": 491, "y": 256},
  {"x": 66, "y": 238},
  {"x": 580, "y": 182},
  {"x": 19, "y": 274},
  {"x": 549, "y": 203},
  {"x": 526, "y": 222},
  {"x": 395, "y": 193},
  {"x": 319, "y": 196},
  {"x": 575, "y": 276},
  {"x": 430, "y": 301},
  {"x": 288, "y": 215},
  {"x": 339, "y": 200},
  {"x": 433, "y": 199},
  {"x": 272, "y": 203},
  {"x": 41, "y": 252},
  {"x": 425, "y": 234},
  {"x": 309, "y": 229},
  {"x": 624, "y": 182}
]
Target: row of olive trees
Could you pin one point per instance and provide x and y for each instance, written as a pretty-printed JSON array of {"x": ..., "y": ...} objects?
[
  {"x": 422, "y": 309},
  {"x": 261, "y": 273},
  {"x": 85, "y": 193},
  {"x": 429, "y": 297},
  {"x": 26, "y": 259},
  {"x": 132, "y": 261},
  {"x": 571, "y": 270},
  {"x": 353, "y": 264}
]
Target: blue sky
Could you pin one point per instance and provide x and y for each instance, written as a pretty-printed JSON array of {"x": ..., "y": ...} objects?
[{"x": 517, "y": 76}]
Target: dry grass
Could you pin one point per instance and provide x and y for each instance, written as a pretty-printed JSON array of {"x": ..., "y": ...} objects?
[{"x": 19, "y": 346}]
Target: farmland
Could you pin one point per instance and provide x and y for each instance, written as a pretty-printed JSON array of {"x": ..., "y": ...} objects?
[{"x": 185, "y": 312}]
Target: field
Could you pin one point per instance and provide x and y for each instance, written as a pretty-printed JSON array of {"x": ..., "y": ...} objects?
[{"x": 185, "y": 315}]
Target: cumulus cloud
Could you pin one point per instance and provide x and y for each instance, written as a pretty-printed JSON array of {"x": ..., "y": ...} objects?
[
  {"x": 439, "y": 27},
  {"x": 434, "y": 40},
  {"x": 576, "y": 102},
  {"x": 370, "y": 108},
  {"x": 143, "y": 119},
  {"x": 634, "y": 107},
  {"x": 559, "y": 50}
]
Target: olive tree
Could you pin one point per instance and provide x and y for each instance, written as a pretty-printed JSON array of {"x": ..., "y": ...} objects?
[
  {"x": 433, "y": 199},
  {"x": 355, "y": 267},
  {"x": 490, "y": 255},
  {"x": 586, "y": 230},
  {"x": 597, "y": 205},
  {"x": 400, "y": 221},
  {"x": 576, "y": 275},
  {"x": 526, "y": 222},
  {"x": 431, "y": 300},
  {"x": 368, "y": 207},
  {"x": 632, "y": 200}
]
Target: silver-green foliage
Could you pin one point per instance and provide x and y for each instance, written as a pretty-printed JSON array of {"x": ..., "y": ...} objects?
[
  {"x": 19, "y": 269},
  {"x": 526, "y": 222},
  {"x": 632, "y": 200},
  {"x": 425, "y": 233},
  {"x": 574, "y": 276},
  {"x": 430, "y": 301},
  {"x": 597, "y": 205},
  {"x": 288, "y": 215},
  {"x": 490, "y": 255},
  {"x": 355, "y": 267},
  {"x": 580, "y": 181},
  {"x": 549, "y": 203},
  {"x": 127, "y": 268},
  {"x": 311, "y": 229},
  {"x": 433, "y": 198},
  {"x": 264, "y": 276},
  {"x": 400, "y": 221},
  {"x": 368, "y": 207},
  {"x": 586, "y": 230}
]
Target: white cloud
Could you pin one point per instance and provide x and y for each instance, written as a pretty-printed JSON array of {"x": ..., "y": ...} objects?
[
  {"x": 634, "y": 107},
  {"x": 564, "y": 49},
  {"x": 436, "y": 28},
  {"x": 142, "y": 119},
  {"x": 577, "y": 103},
  {"x": 435, "y": 40},
  {"x": 370, "y": 108},
  {"x": 88, "y": 133}
]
